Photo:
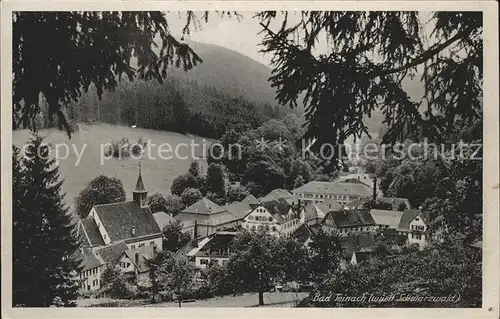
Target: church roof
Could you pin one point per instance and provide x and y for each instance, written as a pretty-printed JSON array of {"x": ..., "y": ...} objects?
[
  {"x": 139, "y": 186},
  {"x": 89, "y": 233},
  {"x": 119, "y": 218}
]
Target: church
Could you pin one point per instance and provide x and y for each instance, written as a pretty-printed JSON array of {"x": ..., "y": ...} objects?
[{"x": 118, "y": 234}]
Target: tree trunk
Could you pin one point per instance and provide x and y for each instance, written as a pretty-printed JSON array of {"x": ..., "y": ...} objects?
[
  {"x": 179, "y": 302},
  {"x": 261, "y": 290}
]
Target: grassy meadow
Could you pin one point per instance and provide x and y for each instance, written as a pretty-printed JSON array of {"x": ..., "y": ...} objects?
[{"x": 158, "y": 173}]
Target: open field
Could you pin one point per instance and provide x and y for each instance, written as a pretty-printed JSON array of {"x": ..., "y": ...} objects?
[{"x": 158, "y": 174}]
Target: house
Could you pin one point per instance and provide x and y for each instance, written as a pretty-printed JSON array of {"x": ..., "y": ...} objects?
[
  {"x": 386, "y": 219},
  {"x": 131, "y": 222},
  {"x": 111, "y": 253},
  {"x": 134, "y": 263},
  {"x": 315, "y": 212},
  {"x": 279, "y": 193},
  {"x": 242, "y": 208},
  {"x": 346, "y": 222},
  {"x": 205, "y": 217},
  {"x": 213, "y": 249},
  {"x": 342, "y": 192},
  {"x": 306, "y": 232},
  {"x": 413, "y": 224},
  {"x": 163, "y": 219},
  {"x": 357, "y": 248},
  {"x": 91, "y": 267},
  {"x": 277, "y": 216}
]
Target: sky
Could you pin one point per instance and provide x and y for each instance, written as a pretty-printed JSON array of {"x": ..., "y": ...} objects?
[{"x": 241, "y": 36}]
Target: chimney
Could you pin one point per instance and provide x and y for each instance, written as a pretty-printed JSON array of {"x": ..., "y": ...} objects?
[
  {"x": 137, "y": 259},
  {"x": 375, "y": 188},
  {"x": 133, "y": 230}
]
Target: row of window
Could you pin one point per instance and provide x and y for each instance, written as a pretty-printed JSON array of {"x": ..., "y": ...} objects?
[
  {"x": 291, "y": 223},
  {"x": 417, "y": 227},
  {"x": 260, "y": 218},
  {"x": 416, "y": 236},
  {"x": 86, "y": 273},
  {"x": 124, "y": 264},
  {"x": 261, "y": 227},
  {"x": 324, "y": 196},
  {"x": 205, "y": 261}
]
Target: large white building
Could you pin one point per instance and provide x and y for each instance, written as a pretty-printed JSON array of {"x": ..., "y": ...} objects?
[{"x": 343, "y": 192}]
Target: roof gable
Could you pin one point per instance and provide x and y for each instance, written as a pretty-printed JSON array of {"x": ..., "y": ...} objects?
[
  {"x": 87, "y": 259},
  {"x": 351, "y": 218},
  {"x": 204, "y": 206},
  {"x": 386, "y": 217},
  {"x": 111, "y": 253},
  {"x": 118, "y": 220},
  {"x": 163, "y": 219},
  {"x": 407, "y": 217},
  {"x": 89, "y": 232}
]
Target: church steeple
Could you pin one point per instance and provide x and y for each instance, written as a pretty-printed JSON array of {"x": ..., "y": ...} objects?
[{"x": 140, "y": 193}]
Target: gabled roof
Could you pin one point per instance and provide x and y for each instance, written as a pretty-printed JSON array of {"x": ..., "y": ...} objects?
[
  {"x": 119, "y": 218},
  {"x": 349, "y": 218},
  {"x": 338, "y": 188},
  {"x": 188, "y": 220},
  {"x": 312, "y": 212},
  {"x": 89, "y": 233},
  {"x": 139, "y": 186},
  {"x": 239, "y": 209},
  {"x": 407, "y": 217},
  {"x": 250, "y": 199},
  {"x": 163, "y": 219},
  {"x": 329, "y": 205},
  {"x": 219, "y": 245},
  {"x": 144, "y": 254},
  {"x": 278, "y": 194},
  {"x": 204, "y": 206},
  {"x": 386, "y": 217},
  {"x": 279, "y": 209},
  {"x": 111, "y": 253},
  {"x": 87, "y": 259}
]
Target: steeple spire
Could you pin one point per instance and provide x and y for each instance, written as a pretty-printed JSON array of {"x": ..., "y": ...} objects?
[{"x": 140, "y": 193}]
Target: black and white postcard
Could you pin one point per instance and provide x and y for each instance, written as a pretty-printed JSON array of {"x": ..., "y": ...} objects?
[{"x": 227, "y": 159}]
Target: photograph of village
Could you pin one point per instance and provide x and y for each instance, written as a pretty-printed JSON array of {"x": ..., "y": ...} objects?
[{"x": 247, "y": 159}]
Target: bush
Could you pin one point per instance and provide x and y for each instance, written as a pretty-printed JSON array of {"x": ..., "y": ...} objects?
[{"x": 122, "y": 148}]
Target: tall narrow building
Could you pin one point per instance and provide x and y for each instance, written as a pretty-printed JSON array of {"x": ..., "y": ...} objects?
[{"x": 140, "y": 193}]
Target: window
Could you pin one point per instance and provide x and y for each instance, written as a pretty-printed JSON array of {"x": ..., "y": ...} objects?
[
  {"x": 132, "y": 247},
  {"x": 141, "y": 245},
  {"x": 250, "y": 217},
  {"x": 270, "y": 219},
  {"x": 203, "y": 261},
  {"x": 274, "y": 228},
  {"x": 128, "y": 265},
  {"x": 151, "y": 243}
]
